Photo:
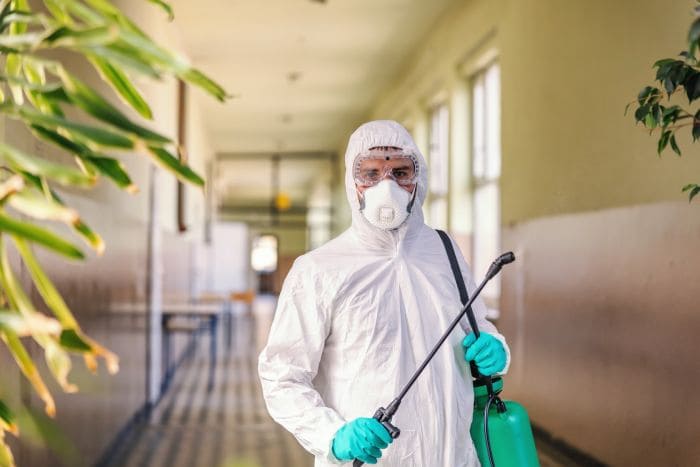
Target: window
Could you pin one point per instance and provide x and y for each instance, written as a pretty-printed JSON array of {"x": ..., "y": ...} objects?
[
  {"x": 439, "y": 170},
  {"x": 263, "y": 255},
  {"x": 486, "y": 170}
]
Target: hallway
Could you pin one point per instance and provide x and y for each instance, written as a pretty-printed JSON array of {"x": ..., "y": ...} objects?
[{"x": 229, "y": 425}]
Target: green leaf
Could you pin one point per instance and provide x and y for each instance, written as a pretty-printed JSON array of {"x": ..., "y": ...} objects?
[
  {"x": 58, "y": 10},
  {"x": 692, "y": 86},
  {"x": 171, "y": 163},
  {"x": 19, "y": 5},
  {"x": 122, "y": 85},
  {"x": 645, "y": 93},
  {"x": 92, "y": 238},
  {"x": 58, "y": 361},
  {"x": 45, "y": 89},
  {"x": 18, "y": 17},
  {"x": 97, "y": 106},
  {"x": 696, "y": 126},
  {"x": 95, "y": 135},
  {"x": 650, "y": 121},
  {"x": 114, "y": 170},
  {"x": 13, "y": 67},
  {"x": 34, "y": 72},
  {"x": 167, "y": 8},
  {"x": 669, "y": 115},
  {"x": 669, "y": 85},
  {"x": 62, "y": 174},
  {"x": 663, "y": 62},
  {"x": 70, "y": 339},
  {"x": 177, "y": 65},
  {"x": 694, "y": 33},
  {"x": 123, "y": 55},
  {"x": 90, "y": 37},
  {"x": 40, "y": 236},
  {"x": 35, "y": 205},
  {"x": 664, "y": 68},
  {"x": 674, "y": 145},
  {"x": 28, "y": 368},
  {"x": 76, "y": 341},
  {"x": 6, "y": 10},
  {"x": 641, "y": 113},
  {"x": 198, "y": 78},
  {"x": 663, "y": 141},
  {"x": 107, "y": 166},
  {"x": 45, "y": 287},
  {"x": 56, "y": 358},
  {"x": 694, "y": 189},
  {"x": 6, "y": 417},
  {"x": 6, "y": 458}
]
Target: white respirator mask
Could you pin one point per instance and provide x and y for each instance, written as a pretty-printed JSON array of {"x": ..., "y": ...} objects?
[{"x": 386, "y": 205}]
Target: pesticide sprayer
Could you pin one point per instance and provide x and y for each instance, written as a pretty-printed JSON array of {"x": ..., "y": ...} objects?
[{"x": 500, "y": 429}]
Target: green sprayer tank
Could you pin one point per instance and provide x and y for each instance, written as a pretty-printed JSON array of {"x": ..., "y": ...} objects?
[{"x": 510, "y": 434}]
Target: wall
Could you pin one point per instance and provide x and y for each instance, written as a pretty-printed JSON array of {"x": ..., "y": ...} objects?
[{"x": 599, "y": 309}]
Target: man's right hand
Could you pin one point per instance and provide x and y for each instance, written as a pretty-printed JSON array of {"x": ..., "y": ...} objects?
[{"x": 363, "y": 439}]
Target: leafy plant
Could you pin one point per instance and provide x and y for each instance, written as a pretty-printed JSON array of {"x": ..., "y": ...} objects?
[
  {"x": 655, "y": 108},
  {"x": 38, "y": 90}
]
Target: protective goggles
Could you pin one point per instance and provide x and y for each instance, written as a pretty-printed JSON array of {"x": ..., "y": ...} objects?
[{"x": 373, "y": 166}]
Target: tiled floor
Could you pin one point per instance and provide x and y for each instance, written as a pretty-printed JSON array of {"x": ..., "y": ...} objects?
[{"x": 227, "y": 426}]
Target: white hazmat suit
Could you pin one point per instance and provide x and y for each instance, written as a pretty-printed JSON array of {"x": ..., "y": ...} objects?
[{"x": 355, "y": 319}]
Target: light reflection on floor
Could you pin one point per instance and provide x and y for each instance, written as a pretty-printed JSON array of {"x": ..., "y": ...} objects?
[{"x": 225, "y": 427}]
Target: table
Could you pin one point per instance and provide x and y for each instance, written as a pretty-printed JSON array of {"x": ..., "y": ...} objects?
[{"x": 208, "y": 312}]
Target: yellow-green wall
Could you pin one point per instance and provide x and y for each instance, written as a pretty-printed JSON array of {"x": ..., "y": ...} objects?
[{"x": 568, "y": 69}]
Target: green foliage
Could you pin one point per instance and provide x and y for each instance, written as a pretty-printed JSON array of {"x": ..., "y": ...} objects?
[
  {"x": 43, "y": 94},
  {"x": 654, "y": 109}
]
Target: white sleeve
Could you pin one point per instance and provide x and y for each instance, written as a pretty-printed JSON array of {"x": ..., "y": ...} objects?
[
  {"x": 289, "y": 362},
  {"x": 479, "y": 307}
]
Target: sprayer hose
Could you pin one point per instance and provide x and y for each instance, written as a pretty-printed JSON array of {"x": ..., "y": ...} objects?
[{"x": 492, "y": 397}]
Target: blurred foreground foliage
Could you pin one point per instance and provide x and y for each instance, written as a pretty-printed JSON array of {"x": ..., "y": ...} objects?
[{"x": 40, "y": 92}]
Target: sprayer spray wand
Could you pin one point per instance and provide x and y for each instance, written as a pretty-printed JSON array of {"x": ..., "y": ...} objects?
[{"x": 383, "y": 415}]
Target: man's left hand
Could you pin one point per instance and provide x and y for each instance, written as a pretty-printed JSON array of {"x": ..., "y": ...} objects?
[{"x": 486, "y": 351}]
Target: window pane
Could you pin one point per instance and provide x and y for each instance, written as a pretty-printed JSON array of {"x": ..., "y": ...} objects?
[
  {"x": 493, "y": 120},
  {"x": 439, "y": 141},
  {"x": 478, "y": 125},
  {"x": 438, "y": 213},
  {"x": 486, "y": 236}
]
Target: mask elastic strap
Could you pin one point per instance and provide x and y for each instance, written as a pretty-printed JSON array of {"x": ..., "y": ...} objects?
[
  {"x": 360, "y": 198},
  {"x": 413, "y": 198}
]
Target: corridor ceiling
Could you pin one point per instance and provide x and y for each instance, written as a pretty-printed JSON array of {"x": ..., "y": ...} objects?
[{"x": 303, "y": 72}]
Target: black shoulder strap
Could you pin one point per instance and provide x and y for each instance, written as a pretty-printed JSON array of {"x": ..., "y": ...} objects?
[{"x": 463, "y": 294}]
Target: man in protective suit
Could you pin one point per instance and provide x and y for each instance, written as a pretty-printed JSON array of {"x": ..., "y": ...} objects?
[{"x": 357, "y": 316}]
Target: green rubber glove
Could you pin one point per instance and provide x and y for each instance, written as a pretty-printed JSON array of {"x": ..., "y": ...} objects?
[
  {"x": 486, "y": 351},
  {"x": 363, "y": 439}
]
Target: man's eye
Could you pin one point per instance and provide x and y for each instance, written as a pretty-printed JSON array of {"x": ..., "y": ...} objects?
[
  {"x": 371, "y": 174},
  {"x": 400, "y": 173}
]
